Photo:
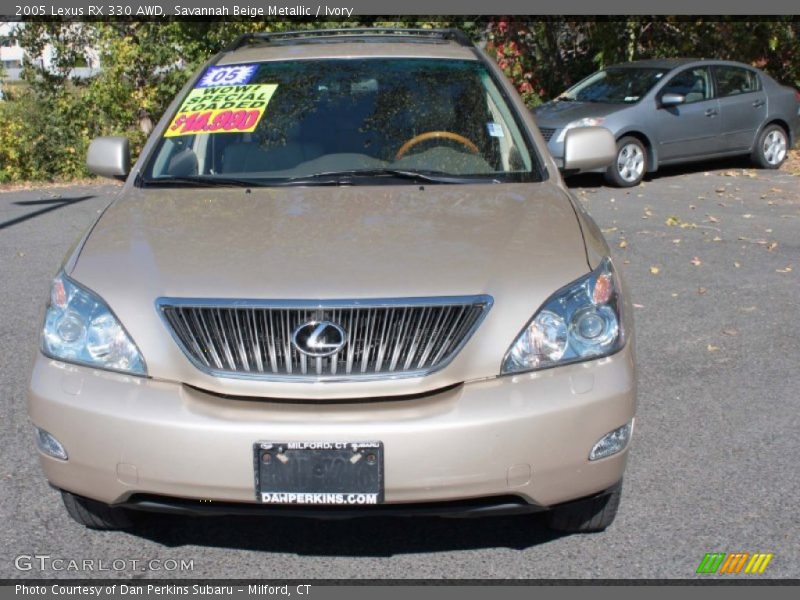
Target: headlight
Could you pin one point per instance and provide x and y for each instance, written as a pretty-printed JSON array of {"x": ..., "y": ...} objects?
[
  {"x": 585, "y": 122},
  {"x": 80, "y": 328},
  {"x": 579, "y": 322}
]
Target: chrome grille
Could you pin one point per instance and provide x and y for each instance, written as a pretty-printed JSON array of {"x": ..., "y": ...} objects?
[
  {"x": 383, "y": 338},
  {"x": 547, "y": 133}
]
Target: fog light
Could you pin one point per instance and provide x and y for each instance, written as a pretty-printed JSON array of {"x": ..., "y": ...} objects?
[
  {"x": 49, "y": 445},
  {"x": 612, "y": 442}
]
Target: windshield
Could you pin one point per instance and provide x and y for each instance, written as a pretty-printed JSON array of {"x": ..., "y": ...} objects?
[
  {"x": 373, "y": 118},
  {"x": 615, "y": 86}
]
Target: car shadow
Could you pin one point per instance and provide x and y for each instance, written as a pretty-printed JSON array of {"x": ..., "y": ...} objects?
[
  {"x": 596, "y": 180},
  {"x": 367, "y": 536},
  {"x": 50, "y": 205}
]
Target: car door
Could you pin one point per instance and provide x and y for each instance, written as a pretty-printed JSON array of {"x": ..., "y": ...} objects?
[
  {"x": 691, "y": 129},
  {"x": 742, "y": 105}
]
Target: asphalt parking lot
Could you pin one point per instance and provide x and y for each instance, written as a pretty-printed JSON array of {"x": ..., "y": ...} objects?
[{"x": 712, "y": 258}]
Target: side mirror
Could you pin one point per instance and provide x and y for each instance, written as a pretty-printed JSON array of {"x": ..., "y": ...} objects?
[
  {"x": 587, "y": 148},
  {"x": 109, "y": 157},
  {"x": 670, "y": 99}
]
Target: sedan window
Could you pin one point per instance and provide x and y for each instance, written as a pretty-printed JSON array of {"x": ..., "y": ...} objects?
[
  {"x": 735, "y": 80},
  {"x": 694, "y": 84},
  {"x": 625, "y": 85}
]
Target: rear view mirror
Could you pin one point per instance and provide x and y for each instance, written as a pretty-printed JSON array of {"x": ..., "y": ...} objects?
[
  {"x": 109, "y": 157},
  {"x": 587, "y": 148},
  {"x": 671, "y": 99}
]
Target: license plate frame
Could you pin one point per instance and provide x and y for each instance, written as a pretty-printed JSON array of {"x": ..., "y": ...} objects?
[{"x": 319, "y": 473}]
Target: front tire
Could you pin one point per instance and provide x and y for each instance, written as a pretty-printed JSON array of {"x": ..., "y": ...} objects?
[
  {"x": 630, "y": 164},
  {"x": 94, "y": 514},
  {"x": 772, "y": 148},
  {"x": 588, "y": 515}
]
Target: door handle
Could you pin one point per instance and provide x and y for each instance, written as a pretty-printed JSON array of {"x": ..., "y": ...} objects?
[
  {"x": 711, "y": 112},
  {"x": 758, "y": 103}
]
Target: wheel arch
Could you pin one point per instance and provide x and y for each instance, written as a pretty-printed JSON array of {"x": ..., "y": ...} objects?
[
  {"x": 652, "y": 158},
  {"x": 775, "y": 121}
]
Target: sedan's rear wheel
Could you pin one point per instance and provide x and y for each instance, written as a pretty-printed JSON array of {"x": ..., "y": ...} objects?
[
  {"x": 771, "y": 148},
  {"x": 629, "y": 167}
]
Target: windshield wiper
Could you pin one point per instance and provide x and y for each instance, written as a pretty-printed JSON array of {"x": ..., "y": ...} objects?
[
  {"x": 202, "y": 181},
  {"x": 346, "y": 177}
]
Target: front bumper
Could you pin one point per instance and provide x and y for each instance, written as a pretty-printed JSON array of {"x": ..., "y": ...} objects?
[{"x": 527, "y": 436}]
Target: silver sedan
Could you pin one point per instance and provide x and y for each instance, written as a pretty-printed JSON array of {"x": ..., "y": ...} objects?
[{"x": 671, "y": 111}]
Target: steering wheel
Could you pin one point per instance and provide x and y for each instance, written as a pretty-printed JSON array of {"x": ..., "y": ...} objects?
[{"x": 430, "y": 135}]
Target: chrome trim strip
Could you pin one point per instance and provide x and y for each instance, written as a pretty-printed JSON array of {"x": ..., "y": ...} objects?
[{"x": 484, "y": 301}]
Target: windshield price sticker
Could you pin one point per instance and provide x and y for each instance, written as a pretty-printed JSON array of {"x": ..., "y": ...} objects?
[{"x": 221, "y": 109}]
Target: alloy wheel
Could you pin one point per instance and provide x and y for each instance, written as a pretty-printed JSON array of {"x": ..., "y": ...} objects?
[{"x": 630, "y": 162}]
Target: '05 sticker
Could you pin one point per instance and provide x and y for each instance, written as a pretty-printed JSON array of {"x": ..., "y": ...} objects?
[{"x": 231, "y": 75}]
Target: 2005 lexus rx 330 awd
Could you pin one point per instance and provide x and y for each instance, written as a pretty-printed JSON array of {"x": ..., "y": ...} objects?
[{"x": 343, "y": 278}]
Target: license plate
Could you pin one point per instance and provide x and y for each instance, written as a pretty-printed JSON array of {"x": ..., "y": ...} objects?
[{"x": 319, "y": 473}]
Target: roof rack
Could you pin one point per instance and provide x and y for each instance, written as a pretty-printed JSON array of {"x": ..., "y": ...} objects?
[{"x": 311, "y": 35}]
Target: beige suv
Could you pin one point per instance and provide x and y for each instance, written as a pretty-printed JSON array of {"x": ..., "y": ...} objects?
[{"x": 343, "y": 278}]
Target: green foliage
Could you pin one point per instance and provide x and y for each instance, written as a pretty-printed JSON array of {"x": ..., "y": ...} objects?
[
  {"x": 46, "y": 129},
  {"x": 543, "y": 58}
]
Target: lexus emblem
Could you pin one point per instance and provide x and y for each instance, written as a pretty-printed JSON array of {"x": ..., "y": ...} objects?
[{"x": 319, "y": 338}]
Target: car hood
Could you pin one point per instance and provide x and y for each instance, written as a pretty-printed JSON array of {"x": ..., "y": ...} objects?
[
  {"x": 557, "y": 114},
  {"x": 515, "y": 242}
]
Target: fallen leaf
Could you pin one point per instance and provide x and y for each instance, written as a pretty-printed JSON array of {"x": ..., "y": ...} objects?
[
  {"x": 717, "y": 239},
  {"x": 720, "y": 190},
  {"x": 609, "y": 230},
  {"x": 676, "y": 241},
  {"x": 730, "y": 332},
  {"x": 672, "y": 221},
  {"x": 654, "y": 270},
  {"x": 788, "y": 269},
  {"x": 747, "y": 216},
  {"x": 701, "y": 290},
  {"x": 776, "y": 190},
  {"x": 712, "y": 219},
  {"x": 772, "y": 246},
  {"x": 623, "y": 244},
  {"x": 712, "y": 348},
  {"x": 674, "y": 295},
  {"x": 736, "y": 264},
  {"x": 638, "y": 306},
  {"x": 696, "y": 261}
]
